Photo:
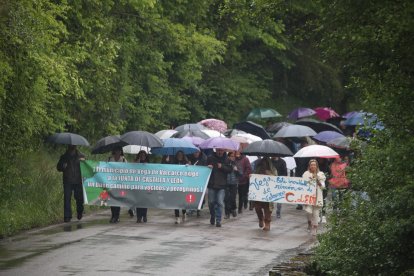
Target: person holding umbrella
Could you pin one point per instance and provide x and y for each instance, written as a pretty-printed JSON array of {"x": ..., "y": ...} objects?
[
  {"x": 117, "y": 156},
  {"x": 317, "y": 178},
  {"x": 264, "y": 209},
  {"x": 69, "y": 165},
  {"x": 142, "y": 157},
  {"x": 243, "y": 187}
]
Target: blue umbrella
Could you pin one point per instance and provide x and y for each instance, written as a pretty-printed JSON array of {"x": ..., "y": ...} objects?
[
  {"x": 173, "y": 145},
  {"x": 361, "y": 118},
  {"x": 326, "y": 136}
]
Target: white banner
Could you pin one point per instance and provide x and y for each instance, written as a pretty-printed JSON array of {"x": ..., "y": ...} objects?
[{"x": 281, "y": 189}]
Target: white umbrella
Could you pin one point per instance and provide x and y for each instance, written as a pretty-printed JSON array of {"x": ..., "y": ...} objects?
[
  {"x": 212, "y": 133},
  {"x": 245, "y": 138},
  {"x": 133, "y": 149},
  {"x": 316, "y": 151},
  {"x": 165, "y": 133}
]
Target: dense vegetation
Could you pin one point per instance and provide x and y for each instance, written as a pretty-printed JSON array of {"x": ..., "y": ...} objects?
[{"x": 104, "y": 67}]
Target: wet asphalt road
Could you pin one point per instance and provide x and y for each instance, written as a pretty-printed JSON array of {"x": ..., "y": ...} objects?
[{"x": 158, "y": 247}]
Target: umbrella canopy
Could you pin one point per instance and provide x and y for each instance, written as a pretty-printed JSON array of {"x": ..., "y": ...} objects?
[
  {"x": 316, "y": 151},
  {"x": 67, "y": 138},
  {"x": 212, "y": 133},
  {"x": 196, "y": 133},
  {"x": 220, "y": 143},
  {"x": 295, "y": 131},
  {"x": 326, "y": 136},
  {"x": 361, "y": 118},
  {"x": 190, "y": 127},
  {"x": 165, "y": 133},
  {"x": 133, "y": 149},
  {"x": 232, "y": 132},
  {"x": 277, "y": 126},
  {"x": 141, "y": 138},
  {"x": 262, "y": 113},
  {"x": 196, "y": 141},
  {"x": 301, "y": 112},
  {"x": 252, "y": 128},
  {"x": 214, "y": 124},
  {"x": 325, "y": 113},
  {"x": 107, "y": 144},
  {"x": 318, "y": 126},
  {"x": 245, "y": 138},
  {"x": 340, "y": 142},
  {"x": 267, "y": 147},
  {"x": 173, "y": 145}
]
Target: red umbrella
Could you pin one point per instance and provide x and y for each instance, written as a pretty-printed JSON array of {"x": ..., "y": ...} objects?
[
  {"x": 325, "y": 113},
  {"x": 214, "y": 124}
]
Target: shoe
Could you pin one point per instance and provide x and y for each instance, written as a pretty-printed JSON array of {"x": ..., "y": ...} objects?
[
  {"x": 139, "y": 220},
  {"x": 116, "y": 220},
  {"x": 66, "y": 219},
  {"x": 245, "y": 205},
  {"x": 234, "y": 213},
  {"x": 218, "y": 224},
  {"x": 79, "y": 216},
  {"x": 261, "y": 223},
  {"x": 145, "y": 219},
  {"x": 212, "y": 220},
  {"x": 323, "y": 220},
  {"x": 177, "y": 220},
  {"x": 131, "y": 213}
]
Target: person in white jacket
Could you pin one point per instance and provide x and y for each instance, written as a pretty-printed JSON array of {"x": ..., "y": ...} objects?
[{"x": 316, "y": 178}]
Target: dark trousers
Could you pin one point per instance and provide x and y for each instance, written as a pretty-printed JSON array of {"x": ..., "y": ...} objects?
[
  {"x": 230, "y": 198},
  {"x": 141, "y": 213},
  {"x": 177, "y": 212},
  {"x": 243, "y": 195},
  {"x": 67, "y": 197},
  {"x": 115, "y": 211}
]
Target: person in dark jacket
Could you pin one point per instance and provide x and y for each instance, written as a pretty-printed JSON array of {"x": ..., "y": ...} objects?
[
  {"x": 243, "y": 187},
  {"x": 231, "y": 188},
  {"x": 220, "y": 166},
  {"x": 69, "y": 165},
  {"x": 281, "y": 168}
]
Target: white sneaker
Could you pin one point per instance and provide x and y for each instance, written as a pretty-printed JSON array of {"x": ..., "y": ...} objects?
[{"x": 323, "y": 220}]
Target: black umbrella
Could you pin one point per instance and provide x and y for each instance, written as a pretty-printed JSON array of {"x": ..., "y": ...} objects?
[
  {"x": 67, "y": 138},
  {"x": 142, "y": 138},
  {"x": 252, "y": 128},
  {"x": 191, "y": 133},
  {"x": 318, "y": 126},
  {"x": 107, "y": 144},
  {"x": 277, "y": 126},
  {"x": 267, "y": 147}
]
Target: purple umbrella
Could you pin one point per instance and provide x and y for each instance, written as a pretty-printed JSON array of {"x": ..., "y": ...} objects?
[
  {"x": 326, "y": 136},
  {"x": 301, "y": 112},
  {"x": 220, "y": 143}
]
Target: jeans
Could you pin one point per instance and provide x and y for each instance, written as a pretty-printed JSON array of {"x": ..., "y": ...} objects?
[{"x": 216, "y": 203}]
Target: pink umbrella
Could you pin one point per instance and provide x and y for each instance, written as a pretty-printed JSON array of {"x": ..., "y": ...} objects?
[
  {"x": 214, "y": 124},
  {"x": 325, "y": 113}
]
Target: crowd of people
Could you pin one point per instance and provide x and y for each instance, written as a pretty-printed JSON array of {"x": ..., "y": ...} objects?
[{"x": 229, "y": 177}]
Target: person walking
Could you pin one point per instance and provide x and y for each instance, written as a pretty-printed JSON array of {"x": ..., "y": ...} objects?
[
  {"x": 117, "y": 156},
  {"x": 180, "y": 159},
  {"x": 220, "y": 166},
  {"x": 281, "y": 168},
  {"x": 243, "y": 186},
  {"x": 142, "y": 157},
  {"x": 264, "y": 209},
  {"x": 69, "y": 165},
  {"x": 231, "y": 188},
  {"x": 317, "y": 178},
  {"x": 198, "y": 158}
]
